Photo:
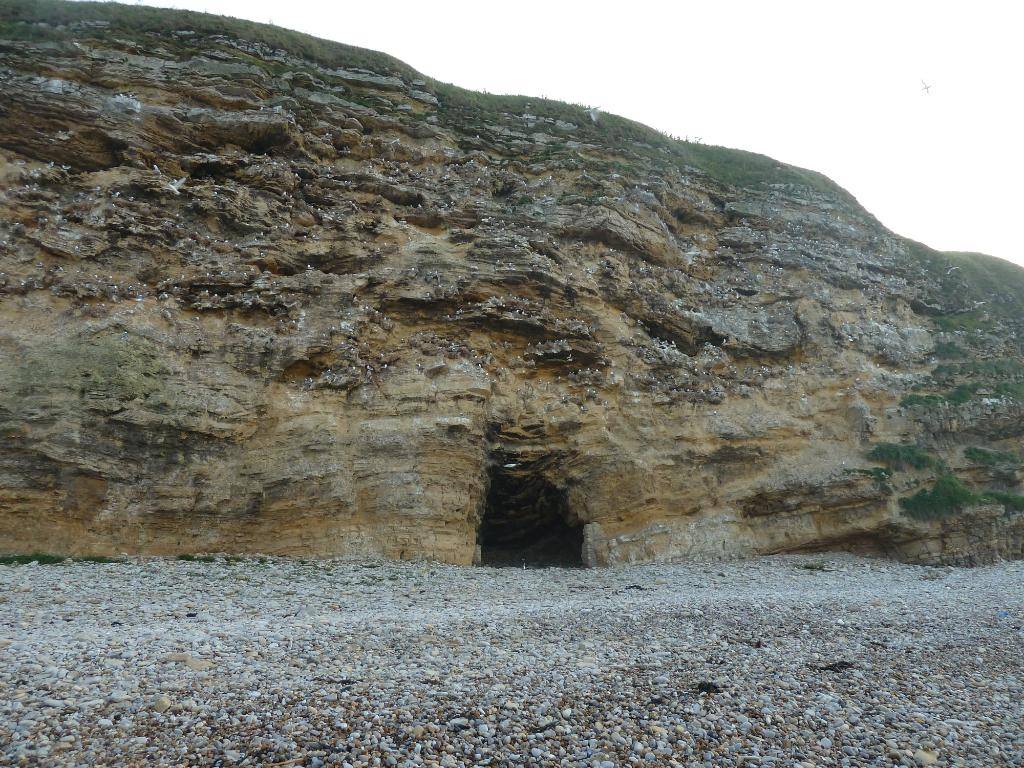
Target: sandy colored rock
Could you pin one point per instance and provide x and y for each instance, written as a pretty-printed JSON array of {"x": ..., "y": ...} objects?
[
  {"x": 250, "y": 302},
  {"x": 161, "y": 704}
]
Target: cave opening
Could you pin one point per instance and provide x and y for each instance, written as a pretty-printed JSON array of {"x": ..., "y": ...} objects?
[{"x": 526, "y": 520}]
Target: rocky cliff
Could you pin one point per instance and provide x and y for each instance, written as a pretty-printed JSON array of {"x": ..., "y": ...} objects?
[{"x": 264, "y": 293}]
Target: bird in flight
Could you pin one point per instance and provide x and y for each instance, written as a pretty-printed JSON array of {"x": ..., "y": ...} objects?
[
  {"x": 175, "y": 186},
  {"x": 926, "y": 88}
]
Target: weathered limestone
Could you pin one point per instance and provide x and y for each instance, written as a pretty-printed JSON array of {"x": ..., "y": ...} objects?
[{"x": 256, "y": 304}]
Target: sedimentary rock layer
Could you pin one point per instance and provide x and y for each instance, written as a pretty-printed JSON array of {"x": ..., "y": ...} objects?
[{"x": 257, "y": 299}]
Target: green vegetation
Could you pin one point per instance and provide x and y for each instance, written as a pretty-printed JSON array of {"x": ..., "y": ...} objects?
[
  {"x": 964, "y": 393},
  {"x": 968, "y": 322},
  {"x": 1013, "y": 390},
  {"x": 948, "y": 349},
  {"x": 997, "y": 285},
  {"x": 1002, "y": 377},
  {"x": 927, "y": 401},
  {"x": 465, "y": 109},
  {"x": 946, "y": 497},
  {"x": 989, "y": 458},
  {"x": 899, "y": 457},
  {"x": 1009, "y": 500},
  {"x": 1003, "y": 368},
  {"x": 961, "y": 393},
  {"x": 949, "y": 495},
  {"x": 21, "y": 19},
  {"x": 50, "y": 559},
  {"x": 881, "y": 476}
]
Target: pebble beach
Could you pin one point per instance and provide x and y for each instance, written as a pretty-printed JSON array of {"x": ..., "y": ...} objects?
[{"x": 815, "y": 660}]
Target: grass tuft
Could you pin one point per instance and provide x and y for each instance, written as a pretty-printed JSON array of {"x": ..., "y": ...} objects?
[
  {"x": 965, "y": 393},
  {"x": 947, "y": 497},
  {"x": 899, "y": 457},
  {"x": 1012, "y": 501},
  {"x": 947, "y": 350},
  {"x": 922, "y": 401},
  {"x": 989, "y": 458}
]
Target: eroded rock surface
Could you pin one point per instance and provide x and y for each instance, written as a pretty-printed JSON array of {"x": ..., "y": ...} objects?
[{"x": 250, "y": 302}]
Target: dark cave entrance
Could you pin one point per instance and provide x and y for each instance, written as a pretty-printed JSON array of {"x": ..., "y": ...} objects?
[{"x": 527, "y": 521}]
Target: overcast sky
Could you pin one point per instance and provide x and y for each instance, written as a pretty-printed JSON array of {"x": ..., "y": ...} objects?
[{"x": 832, "y": 86}]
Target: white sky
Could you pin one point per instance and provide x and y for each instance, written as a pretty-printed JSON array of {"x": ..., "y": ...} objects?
[{"x": 825, "y": 85}]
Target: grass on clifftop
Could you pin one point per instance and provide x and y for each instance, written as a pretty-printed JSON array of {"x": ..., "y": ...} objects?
[
  {"x": 732, "y": 166},
  {"x": 23, "y": 20},
  {"x": 962, "y": 277},
  {"x": 981, "y": 282},
  {"x": 50, "y": 19}
]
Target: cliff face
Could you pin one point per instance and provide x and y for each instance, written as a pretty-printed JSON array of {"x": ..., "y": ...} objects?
[{"x": 300, "y": 300}]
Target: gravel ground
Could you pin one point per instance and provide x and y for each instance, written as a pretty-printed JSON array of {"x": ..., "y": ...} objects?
[{"x": 812, "y": 661}]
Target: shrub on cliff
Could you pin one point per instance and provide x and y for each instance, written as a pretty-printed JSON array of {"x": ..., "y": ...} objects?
[
  {"x": 946, "y": 497},
  {"x": 989, "y": 458},
  {"x": 900, "y": 457}
]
